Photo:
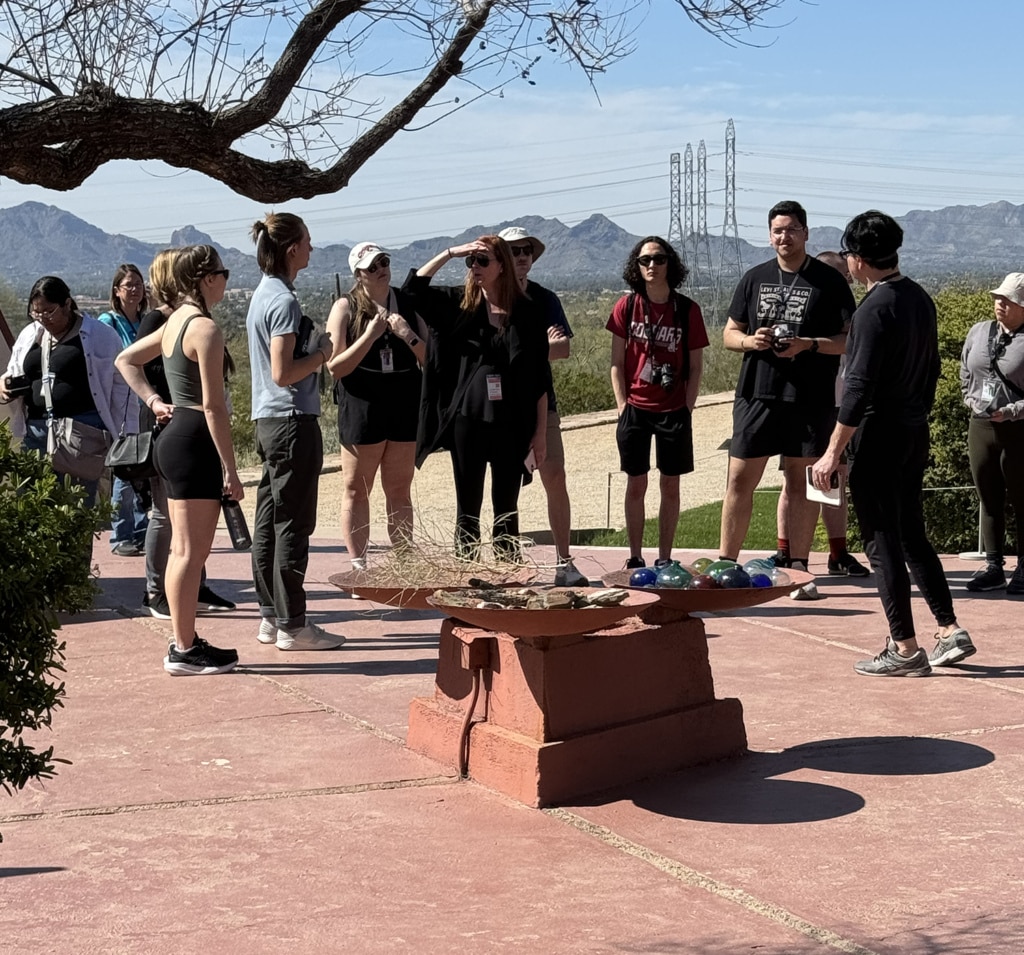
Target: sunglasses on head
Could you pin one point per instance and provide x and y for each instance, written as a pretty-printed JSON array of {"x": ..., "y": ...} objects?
[
  {"x": 521, "y": 251},
  {"x": 477, "y": 259},
  {"x": 646, "y": 260},
  {"x": 381, "y": 262}
]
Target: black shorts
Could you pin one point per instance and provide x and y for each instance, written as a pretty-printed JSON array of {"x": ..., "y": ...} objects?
[
  {"x": 673, "y": 441},
  {"x": 763, "y": 428},
  {"x": 186, "y": 458}
]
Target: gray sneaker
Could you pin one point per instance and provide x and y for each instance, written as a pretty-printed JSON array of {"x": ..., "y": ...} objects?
[
  {"x": 309, "y": 637},
  {"x": 952, "y": 649},
  {"x": 568, "y": 576},
  {"x": 891, "y": 663}
]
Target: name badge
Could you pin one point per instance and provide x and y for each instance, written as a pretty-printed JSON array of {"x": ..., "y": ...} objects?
[
  {"x": 645, "y": 372},
  {"x": 387, "y": 360},
  {"x": 494, "y": 387},
  {"x": 988, "y": 390}
]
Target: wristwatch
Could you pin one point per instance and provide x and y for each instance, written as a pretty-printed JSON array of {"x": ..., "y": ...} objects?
[
  {"x": 413, "y": 342},
  {"x": 814, "y": 346}
]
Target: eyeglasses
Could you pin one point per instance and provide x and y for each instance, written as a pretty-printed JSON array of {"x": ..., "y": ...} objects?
[
  {"x": 225, "y": 272},
  {"x": 381, "y": 262},
  {"x": 521, "y": 251},
  {"x": 43, "y": 316},
  {"x": 132, "y": 287},
  {"x": 647, "y": 260},
  {"x": 846, "y": 253},
  {"x": 477, "y": 259},
  {"x": 790, "y": 230}
]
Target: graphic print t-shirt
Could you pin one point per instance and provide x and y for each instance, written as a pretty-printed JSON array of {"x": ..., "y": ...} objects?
[
  {"x": 815, "y": 302},
  {"x": 663, "y": 342}
]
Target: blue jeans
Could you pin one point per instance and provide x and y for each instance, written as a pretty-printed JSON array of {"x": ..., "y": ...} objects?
[{"x": 130, "y": 520}]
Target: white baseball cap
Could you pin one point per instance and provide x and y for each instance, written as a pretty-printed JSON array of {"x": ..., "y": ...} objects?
[
  {"x": 1012, "y": 288},
  {"x": 363, "y": 254},
  {"x": 516, "y": 233}
]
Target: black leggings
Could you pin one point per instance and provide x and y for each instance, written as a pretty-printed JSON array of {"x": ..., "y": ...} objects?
[
  {"x": 996, "y": 451},
  {"x": 886, "y": 475},
  {"x": 476, "y": 444}
]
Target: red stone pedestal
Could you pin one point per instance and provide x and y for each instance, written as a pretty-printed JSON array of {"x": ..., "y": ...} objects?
[{"x": 558, "y": 717}]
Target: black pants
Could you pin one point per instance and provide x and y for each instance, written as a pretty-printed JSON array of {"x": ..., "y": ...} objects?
[
  {"x": 886, "y": 476},
  {"x": 996, "y": 451},
  {"x": 476, "y": 444},
  {"x": 292, "y": 451}
]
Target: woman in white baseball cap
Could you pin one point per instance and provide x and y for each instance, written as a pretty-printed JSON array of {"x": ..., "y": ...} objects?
[
  {"x": 992, "y": 381},
  {"x": 379, "y": 344}
]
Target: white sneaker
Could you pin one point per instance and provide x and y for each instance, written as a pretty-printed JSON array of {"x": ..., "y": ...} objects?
[
  {"x": 309, "y": 637},
  {"x": 268, "y": 631},
  {"x": 568, "y": 576}
]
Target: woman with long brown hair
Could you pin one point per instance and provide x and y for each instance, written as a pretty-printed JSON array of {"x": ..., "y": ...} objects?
[
  {"x": 194, "y": 454},
  {"x": 485, "y": 386},
  {"x": 378, "y": 346}
]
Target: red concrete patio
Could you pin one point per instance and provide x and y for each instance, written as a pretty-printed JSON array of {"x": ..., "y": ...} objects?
[{"x": 276, "y": 809}]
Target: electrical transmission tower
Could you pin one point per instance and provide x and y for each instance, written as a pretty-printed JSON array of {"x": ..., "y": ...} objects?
[
  {"x": 705, "y": 276},
  {"x": 675, "y": 227},
  {"x": 730, "y": 265},
  {"x": 689, "y": 249}
]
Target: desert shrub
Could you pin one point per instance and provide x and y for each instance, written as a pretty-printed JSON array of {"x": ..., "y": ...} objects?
[{"x": 46, "y": 530}]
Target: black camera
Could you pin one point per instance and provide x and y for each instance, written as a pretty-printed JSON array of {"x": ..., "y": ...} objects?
[
  {"x": 782, "y": 335},
  {"x": 664, "y": 375},
  {"x": 18, "y": 385}
]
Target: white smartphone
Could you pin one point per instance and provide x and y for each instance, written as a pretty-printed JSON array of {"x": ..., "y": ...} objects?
[
  {"x": 833, "y": 496},
  {"x": 531, "y": 462}
]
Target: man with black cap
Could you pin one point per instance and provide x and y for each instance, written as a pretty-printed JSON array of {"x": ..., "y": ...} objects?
[
  {"x": 526, "y": 249},
  {"x": 892, "y": 367}
]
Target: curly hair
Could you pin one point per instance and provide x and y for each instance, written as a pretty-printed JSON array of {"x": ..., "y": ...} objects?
[{"x": 675, "y": 275}]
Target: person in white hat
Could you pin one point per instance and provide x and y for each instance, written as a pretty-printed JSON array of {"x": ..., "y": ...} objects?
[
  {"x": 526, "y": 249},
  {"x": 992, "y": 381},
  {"x": 378, "y": 346}
]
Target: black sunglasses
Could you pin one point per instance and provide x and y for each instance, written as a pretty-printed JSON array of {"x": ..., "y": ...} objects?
[
  {"x": 381, "y": 262},
  {"x": 521, "y": 251},
  {"x": 482, "y": 260},
  {"x": 225, "y": 272},
  {"x": 646, "y": 260}
]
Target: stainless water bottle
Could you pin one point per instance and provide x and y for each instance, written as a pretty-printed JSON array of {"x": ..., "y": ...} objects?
[{"x": 238, "y": 529}]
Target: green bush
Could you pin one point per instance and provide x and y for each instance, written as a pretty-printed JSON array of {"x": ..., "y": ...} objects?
[{"x": 47, "y": 531}]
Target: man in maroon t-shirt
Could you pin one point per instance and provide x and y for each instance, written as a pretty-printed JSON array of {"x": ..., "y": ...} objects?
[{"x": 657, "y": 359}]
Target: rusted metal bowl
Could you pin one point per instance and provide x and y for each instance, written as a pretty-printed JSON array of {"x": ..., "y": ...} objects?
[
  {"x": 549, "y": 622},
  {"x": 710, "y": 601}
]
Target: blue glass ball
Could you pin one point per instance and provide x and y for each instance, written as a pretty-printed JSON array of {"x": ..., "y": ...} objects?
[
  {"x": 734, "y": 577},
  {"x": 760, "y": 580},
  {"x": 643, "y": 577}
]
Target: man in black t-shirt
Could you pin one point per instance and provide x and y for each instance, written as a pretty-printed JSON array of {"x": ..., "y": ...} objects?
[{"x": 789, "y": 317}]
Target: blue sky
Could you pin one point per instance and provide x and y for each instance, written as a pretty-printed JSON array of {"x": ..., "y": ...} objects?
[{"x": 900, "y": 105}]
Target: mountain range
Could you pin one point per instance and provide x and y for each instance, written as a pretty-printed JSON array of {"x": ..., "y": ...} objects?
[{"x": 37, "y": 239}]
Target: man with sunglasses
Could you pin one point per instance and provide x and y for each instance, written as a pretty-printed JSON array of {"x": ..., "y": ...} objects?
[
  {"x": 891, "y": 373},
  {"x": 526, "y": 249},
  {"x": 789, "y": 318}
]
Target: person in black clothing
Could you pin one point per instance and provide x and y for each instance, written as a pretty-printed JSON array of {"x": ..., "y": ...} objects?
[
  {"x": 891, "y": 372},
  {"x": 789, "y": 317},
  {"x": 485, "y": 386},
  {"x": 378, "y": 346},
  {"x": 164, "y": 296}
]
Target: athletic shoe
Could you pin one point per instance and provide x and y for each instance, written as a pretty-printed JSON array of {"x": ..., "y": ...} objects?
[
  {"x": 890, "y": 662},
  {"x": 990, "y": 577},
  {"x": 1016, "y": 584},
  {"x": 952, "y": 649},
  {"x": 157, "y": 605},
  {"x": 127, "y": 549},
  {"x": 662, "y": 562},
  {"x": 846, "y": 565},
  {"x": 808, "y": 591},
  {"x": 209, "y": 602},
  {"x": 635, "y": 563},
  {"x": 568, "y": 576},
  {"x": 309, "y": 637},
  {"x": 268, "y": 631},
  {"x": 199, "y": 660},
  {"x": 780, "y": 559}
]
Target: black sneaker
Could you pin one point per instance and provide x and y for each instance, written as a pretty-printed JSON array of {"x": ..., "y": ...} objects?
[
  {"x": 209, "y": 602},
  {"x": 662, "y": 562},
  {"x": 1016, "y": 584},
  {"x": 846, "y": 565},
  {"x": 891, "y": 663},
  {"x": 990, "y": 577},
  {"x": 635, "y": 563},
  {"x": 780, "y": 559},
  {"x": 157, "y": 605},
  {"x": 199, "y": 660},
  {"x": 127, "y": 549}
]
